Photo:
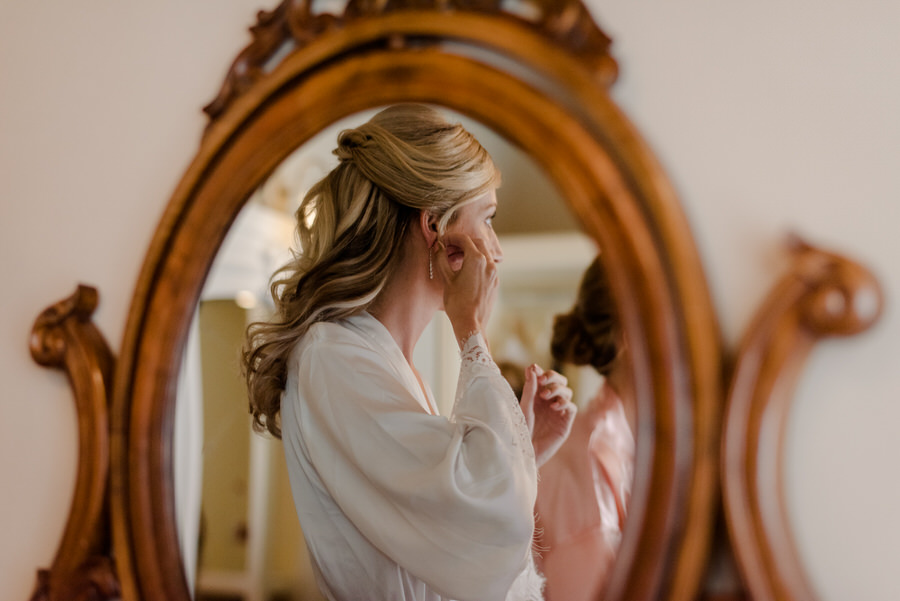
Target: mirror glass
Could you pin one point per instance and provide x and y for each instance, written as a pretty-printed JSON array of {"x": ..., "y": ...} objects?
[{"x": 240, "y": 537}]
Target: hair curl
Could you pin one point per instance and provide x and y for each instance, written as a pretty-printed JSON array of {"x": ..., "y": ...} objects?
[
  {"x": 589, "y": 334},
  {"x": 351, "y": 226}
]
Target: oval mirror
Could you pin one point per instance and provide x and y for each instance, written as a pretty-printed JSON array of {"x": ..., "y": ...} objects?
[{"x": 535, "y": 74}]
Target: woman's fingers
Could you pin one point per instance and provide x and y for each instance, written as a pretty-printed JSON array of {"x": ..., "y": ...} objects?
[
  {"x": 555, "y": 376},
  {"x": 479, "y": 245},
  {"x": 470, "y": 281},
  {"x": 458, "y": 239},
  {"x": 556, "y": 391},
  {"x": 441, "y": 262},
  {"x": 458, "y": 247},
  {"x": 553, "y": 417},
  {"x": 456, "y": 250},
  {"x": 554, "y": 387}
]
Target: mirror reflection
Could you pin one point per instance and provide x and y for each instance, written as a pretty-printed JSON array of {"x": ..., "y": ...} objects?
[
  {"x": 236, "y": 516},
  {"x": 585, "y": 488}
]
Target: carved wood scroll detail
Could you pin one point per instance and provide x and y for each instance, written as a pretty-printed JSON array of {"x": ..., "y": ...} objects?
[
  {"x": 64, "y": 337},
  {"x": 823, "y": 295},
  {"x": 566, "y": 22}
]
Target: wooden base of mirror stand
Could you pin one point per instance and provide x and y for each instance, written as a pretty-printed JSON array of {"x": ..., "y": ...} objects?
[{"x": 64, "y": 337}]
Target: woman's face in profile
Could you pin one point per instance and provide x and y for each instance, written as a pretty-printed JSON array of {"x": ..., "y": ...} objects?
[{"x": 475, "y": 221}]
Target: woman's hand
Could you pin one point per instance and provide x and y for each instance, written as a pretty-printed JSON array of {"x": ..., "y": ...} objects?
[
  {"x": 549, "y": 411},
  {"x": 470, "y": 285}
]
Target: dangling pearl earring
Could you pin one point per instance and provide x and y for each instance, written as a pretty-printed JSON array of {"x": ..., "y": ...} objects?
[{"x": 430, "y": 266}]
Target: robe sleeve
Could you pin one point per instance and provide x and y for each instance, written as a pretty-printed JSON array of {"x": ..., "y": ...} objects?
[{"x": 449, "y": 500}]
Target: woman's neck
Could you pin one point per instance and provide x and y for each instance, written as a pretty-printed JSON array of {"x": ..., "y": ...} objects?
[{"x": 405, "y": 306}]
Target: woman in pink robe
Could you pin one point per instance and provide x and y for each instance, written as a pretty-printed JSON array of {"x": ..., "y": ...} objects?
[{"x": 584, "y": 489}]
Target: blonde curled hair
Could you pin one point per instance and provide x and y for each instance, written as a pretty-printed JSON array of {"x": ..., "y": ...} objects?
[{"x": 351, "y": 227}]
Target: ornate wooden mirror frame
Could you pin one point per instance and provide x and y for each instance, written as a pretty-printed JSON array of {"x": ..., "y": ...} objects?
[{"x": 537, "y": 73}]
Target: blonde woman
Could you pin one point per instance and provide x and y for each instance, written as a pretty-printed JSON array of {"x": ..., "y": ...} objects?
[{"x": 396, "y": 501}]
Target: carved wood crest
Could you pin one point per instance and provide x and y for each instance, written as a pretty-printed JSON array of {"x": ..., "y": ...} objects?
[{"x": 294, "y": 22}]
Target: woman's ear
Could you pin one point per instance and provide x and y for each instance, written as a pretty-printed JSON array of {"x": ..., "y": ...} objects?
[{"x": 428, "y": 224}]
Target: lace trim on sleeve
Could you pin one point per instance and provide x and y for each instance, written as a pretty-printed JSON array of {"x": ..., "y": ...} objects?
[
  {"x": 474, "y": 351},
  {"x": 476, "y": 358}
]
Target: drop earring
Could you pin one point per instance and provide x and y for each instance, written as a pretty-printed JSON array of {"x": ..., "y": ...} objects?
[{"x": 430, "y": 266}]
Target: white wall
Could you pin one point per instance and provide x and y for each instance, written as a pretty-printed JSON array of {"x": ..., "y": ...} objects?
[{"x": 768, "y": 116}]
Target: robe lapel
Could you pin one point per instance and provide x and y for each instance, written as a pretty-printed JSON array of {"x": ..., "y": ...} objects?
[{"x": 382, "y": 341}]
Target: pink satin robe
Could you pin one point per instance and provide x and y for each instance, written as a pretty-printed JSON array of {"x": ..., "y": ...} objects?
[{"x": 583, "y": 495}]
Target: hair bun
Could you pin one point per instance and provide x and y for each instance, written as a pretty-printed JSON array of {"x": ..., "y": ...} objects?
[
  {"x": 570, "y": 343},
  {"x": 582, "y": 342},
  {"x": 349, "y": 141}
]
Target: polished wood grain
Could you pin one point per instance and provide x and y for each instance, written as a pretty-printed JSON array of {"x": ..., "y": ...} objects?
[
  {"x": 823, "y": 295},
  {"x": 64, "y": 338}
]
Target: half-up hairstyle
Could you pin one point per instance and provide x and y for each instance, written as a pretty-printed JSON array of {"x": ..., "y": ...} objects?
[
  {"x": 589, "y": 334},
  {"x": 351, "y": 227}
]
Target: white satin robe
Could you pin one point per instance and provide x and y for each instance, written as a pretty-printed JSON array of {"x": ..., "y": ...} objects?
[{"x": 396, "y": 502}]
